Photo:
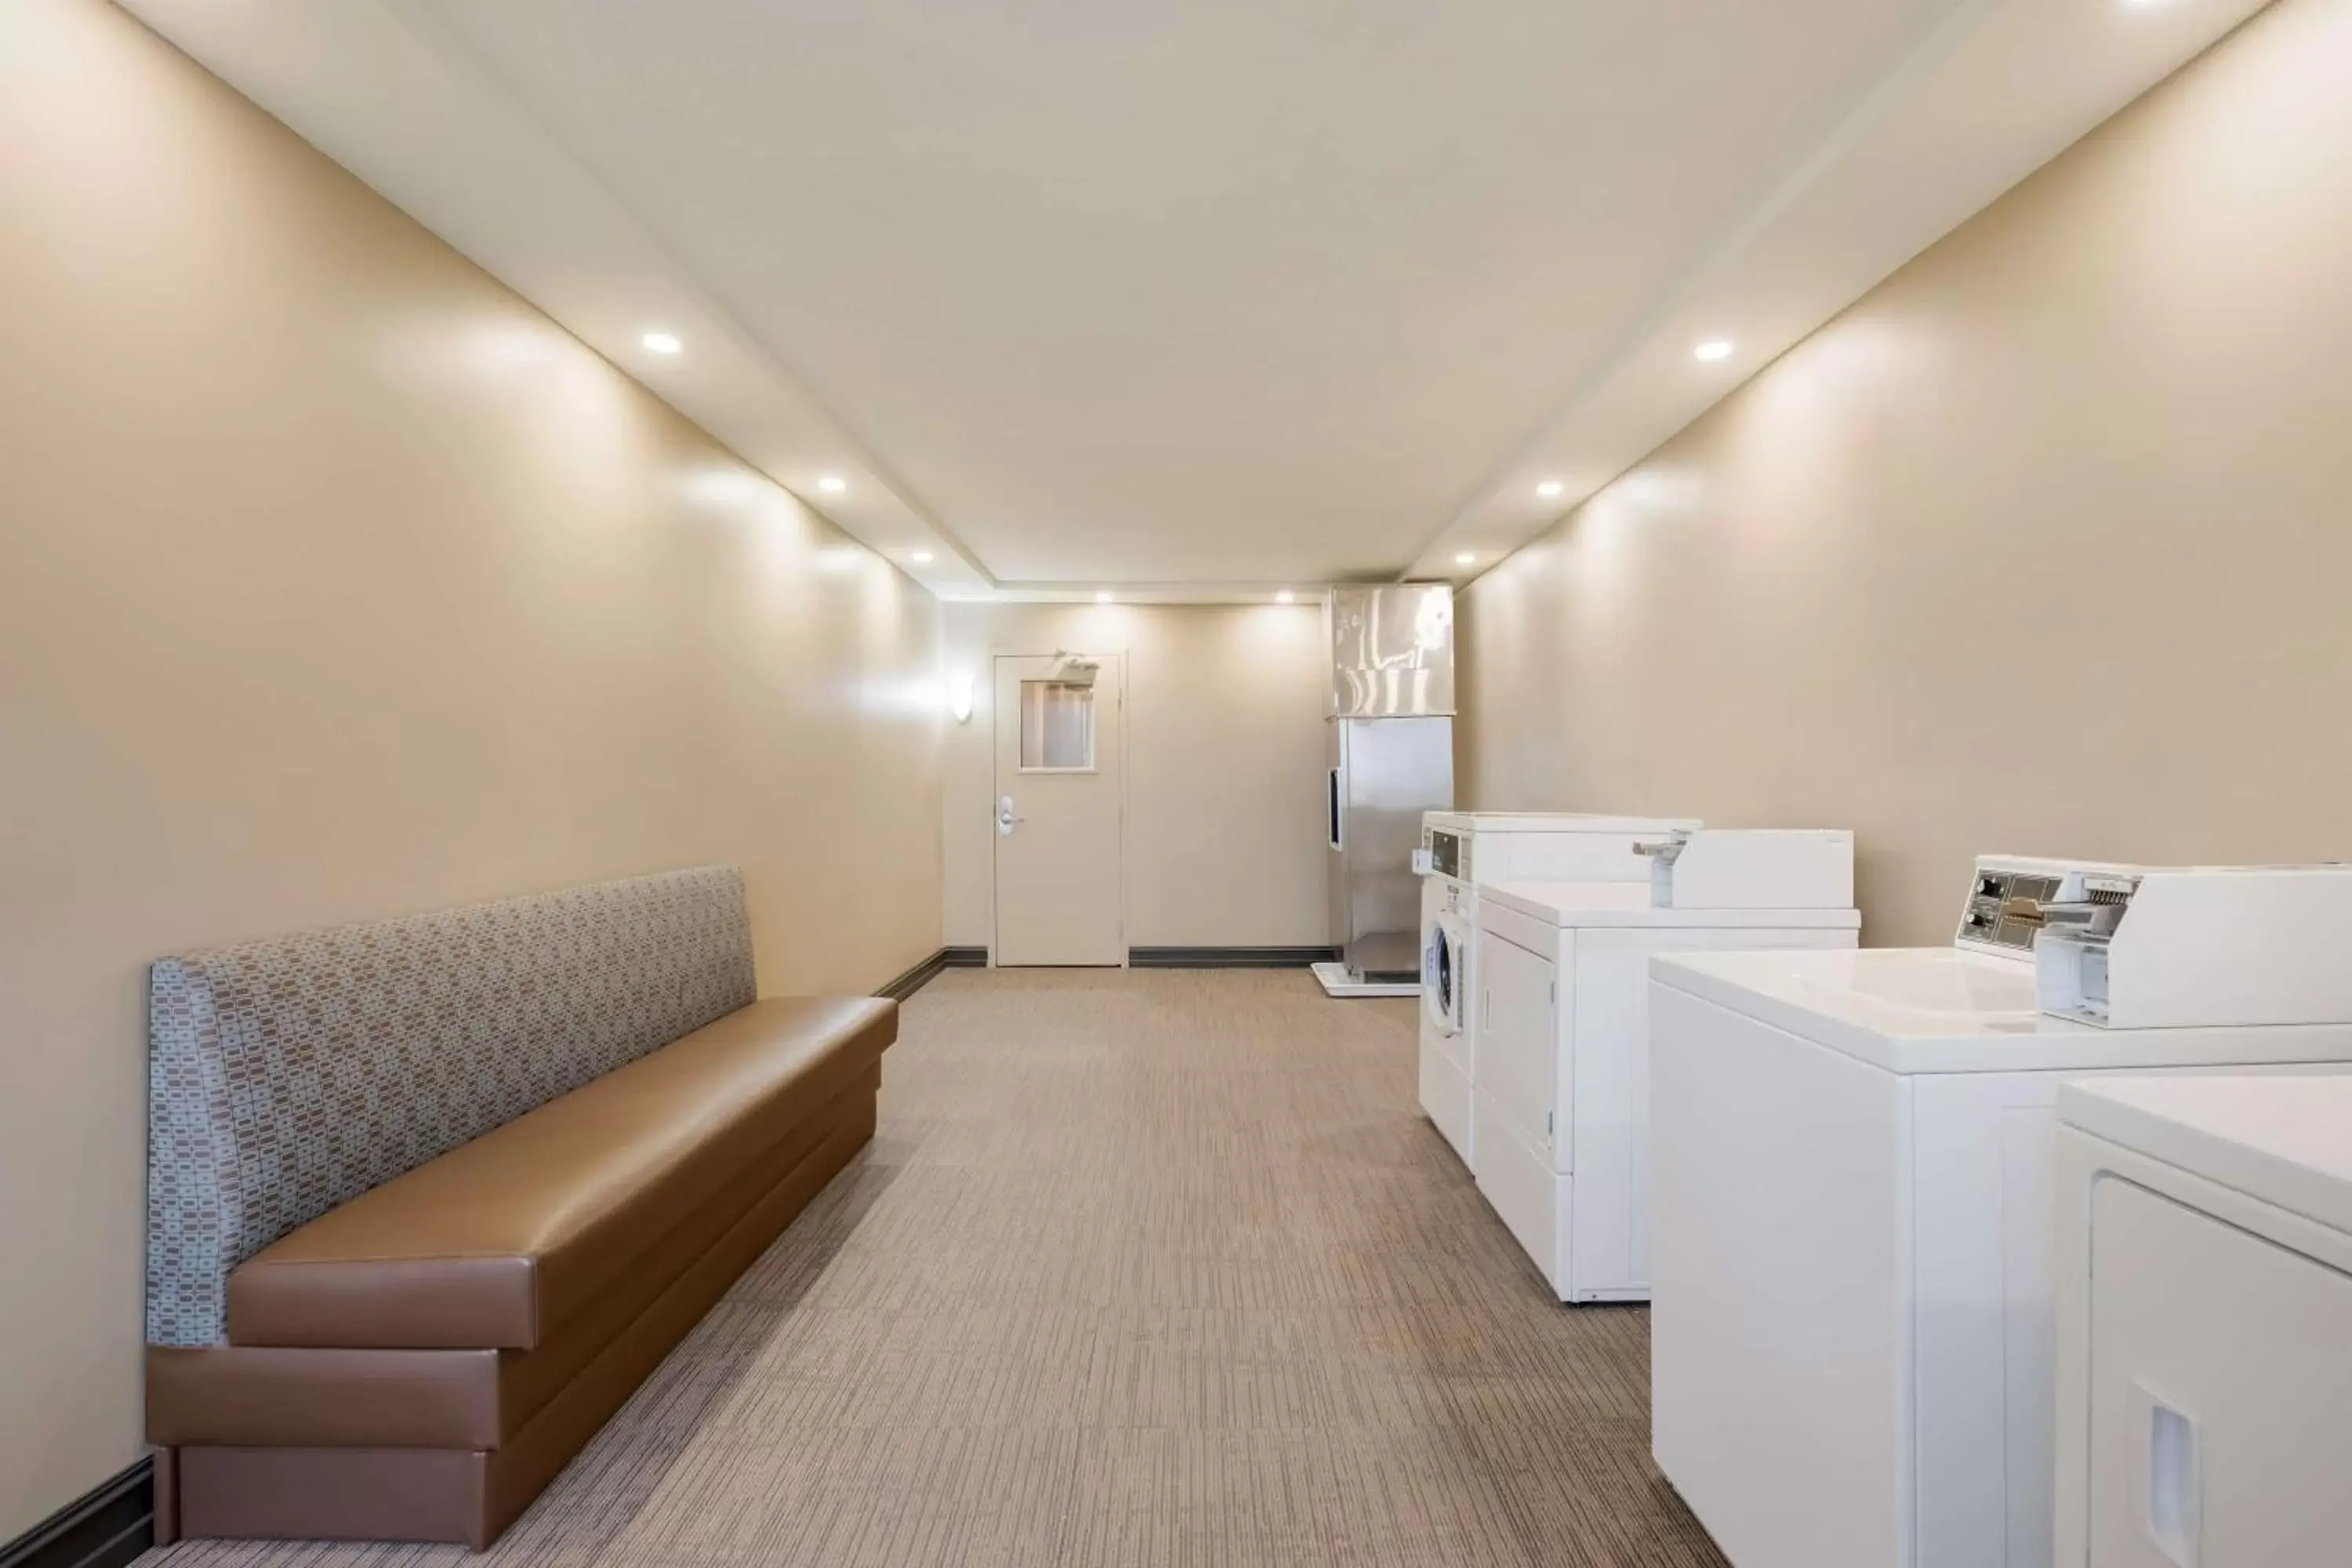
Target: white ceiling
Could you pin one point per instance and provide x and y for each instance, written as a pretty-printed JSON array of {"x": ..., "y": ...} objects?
[{"x": 1191, "y": 301}]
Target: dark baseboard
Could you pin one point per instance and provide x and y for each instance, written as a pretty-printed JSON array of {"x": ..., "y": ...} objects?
[
  {"x": 915, "y": 979},
  {"x": 105, "y": 1528},
  {"x": 1227, "y": 957},
  {"x": 923, "y": 973}
]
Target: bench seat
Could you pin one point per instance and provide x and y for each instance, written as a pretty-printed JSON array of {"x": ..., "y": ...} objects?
[
  {"x": 498, "y": 1243},
  {"x": 268, "y": 1395},
  {"x": 430, "y": 1199}
]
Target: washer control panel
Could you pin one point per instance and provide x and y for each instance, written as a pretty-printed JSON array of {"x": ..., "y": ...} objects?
[
  {"x": 1449, "y": 853},
  {"x": 2004, "y": 907}
]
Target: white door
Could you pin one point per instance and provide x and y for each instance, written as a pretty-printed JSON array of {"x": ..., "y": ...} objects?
[{"x": 1058, "y": 862}]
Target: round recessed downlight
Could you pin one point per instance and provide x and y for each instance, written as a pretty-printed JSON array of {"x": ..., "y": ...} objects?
[
  {"x": 662, "y": 343},
  {"x": 919, "y": 557},
  {"x": 1551, "y": 490},
  {"x": 1713, "y": 348},
  {"x": 833, "y": 484},
  {"x": 1467, "y": 558}
]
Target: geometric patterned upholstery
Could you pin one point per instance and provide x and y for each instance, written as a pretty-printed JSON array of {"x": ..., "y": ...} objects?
[{"x": 289, "y": 1076}]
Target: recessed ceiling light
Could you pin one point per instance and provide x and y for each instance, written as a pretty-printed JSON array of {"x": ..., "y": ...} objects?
[
  {"x": 1551, "y": 489},
  {"x": 833, "y": 484},
  {"x": 1285, "y": 597},
  {"x": 919, "y": 557},
  {"x": 1102, "y": 596},
  {"x": 1467, "y": 558},
  {"x": 1713, "y": 348},
  {"x": 663, "y": 342}
]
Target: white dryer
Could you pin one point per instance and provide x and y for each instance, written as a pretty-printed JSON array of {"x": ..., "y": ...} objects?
[
  {"x": 2204, "y": 1321},
  {"x": 1560, "y": 1113},
  {"x": 1463, "y": 850},
  {"x": 1853, "y": 1194}
]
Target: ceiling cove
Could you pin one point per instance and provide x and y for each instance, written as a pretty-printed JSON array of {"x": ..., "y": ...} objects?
[{"x": 1191, "y": 304}]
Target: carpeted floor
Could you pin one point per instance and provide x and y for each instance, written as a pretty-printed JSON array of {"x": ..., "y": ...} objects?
[{"x": 1148, "y": 1268}]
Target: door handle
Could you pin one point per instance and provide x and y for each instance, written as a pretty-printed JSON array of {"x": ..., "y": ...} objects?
[
  {"x": 2170, "y": 1481},
  {"x": 1005, "y": 820}
]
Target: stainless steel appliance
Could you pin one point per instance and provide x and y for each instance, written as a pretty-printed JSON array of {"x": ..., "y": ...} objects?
[{"x": 1389, "y": 757}]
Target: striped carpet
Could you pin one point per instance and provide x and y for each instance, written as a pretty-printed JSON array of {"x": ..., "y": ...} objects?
[{"x": 1149, "y": 1267}]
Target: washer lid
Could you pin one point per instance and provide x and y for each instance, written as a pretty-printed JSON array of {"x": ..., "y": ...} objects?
[
  {"x": 1627, "y": 903},
  {"x": 2284, "y": 1139},
  {"x": 1937, "y": 1009},
  {"x": 1551, "y": 822}
]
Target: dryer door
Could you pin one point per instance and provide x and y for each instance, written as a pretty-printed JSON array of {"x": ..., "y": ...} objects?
[{"x": 2215, "y": 1438}]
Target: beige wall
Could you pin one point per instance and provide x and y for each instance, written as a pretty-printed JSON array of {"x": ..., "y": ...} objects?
[
  {"x": 2046, "y": 545},
  {"x": 1224, "y": 734},
  {"x": 335, "y": 581}
]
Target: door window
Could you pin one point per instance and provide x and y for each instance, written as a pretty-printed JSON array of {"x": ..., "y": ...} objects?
[{"x": 1057, "y": 727}]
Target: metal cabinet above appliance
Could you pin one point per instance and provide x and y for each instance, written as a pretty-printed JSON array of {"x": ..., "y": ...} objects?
[{"x": 1391, "y": 651}]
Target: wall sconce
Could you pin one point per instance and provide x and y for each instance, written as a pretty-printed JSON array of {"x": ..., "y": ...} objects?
[{"x": 959, "y": 695}]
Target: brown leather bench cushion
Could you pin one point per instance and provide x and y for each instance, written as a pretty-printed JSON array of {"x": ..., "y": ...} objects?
[
  {"x": 277, "y": 1396},
  {"x": 496, "y": 1244}
]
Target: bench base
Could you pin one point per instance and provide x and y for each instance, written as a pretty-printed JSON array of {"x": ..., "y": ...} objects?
[{"x": 471, "y": 1496}]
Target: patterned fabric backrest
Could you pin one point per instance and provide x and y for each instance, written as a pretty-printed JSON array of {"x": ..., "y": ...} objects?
[{"x": 289, "y": 1076}]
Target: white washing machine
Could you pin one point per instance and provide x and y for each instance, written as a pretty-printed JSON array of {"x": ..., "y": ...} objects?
[
  {"x": 2205, "y": 1323},
  {"x": 1853, "y": 1190},
  {"x": 1462, "y": 852},
  {"x": 1561, "y": 1112},
  {"x": 1444, "y": 958}
]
